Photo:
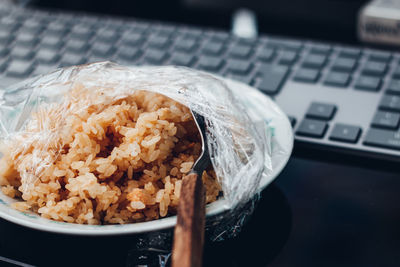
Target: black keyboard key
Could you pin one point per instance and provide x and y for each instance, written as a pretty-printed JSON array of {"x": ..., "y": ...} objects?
[
  {"x": 344, "y": 64},
  {"x": 338, "y": 79},
  {"x": 390, "y": 103},
  {"x": 47, "y": 56},
  {"x": 182, "y": 59},
  {"x": 240, "y": 51},
  {"x": 56, "y": 27},
  {"x": 272, "y": 77},
  {"x": 396, "y": 72},
  {"x": 380, "y": 56},
  {"x": 287, "y": 57},
  {"x": 155, "y": 56},
  {"x": 219, "y": 36},
  {"x": 393, "y": 87},
  {"x": 374, "y": 68},
  {"x": 285, "y": 44},
  {"x": 320, "y": 49},
  {"x": 213, "y": 48},
  {"x": 128, "y": 53},
  {"x": 238, "y": 66},
  {"x": 385, "y": 119},
  {"x": 321, "y": 111},
  {"x": 43, "y": 69},
  {"x": 266, "y": 54},
  {"x": 102, "y": 49},
  {"x": 158, "y": 41},
  {"x": 27, "y": 39},
  {"x": 5, "y": 37},
  {"x": 69, "y": 59},
  {"x": 132, "y": 38},
  {"x": 382, "y": 138},
  {"x": 314, "y": 61},
  {"x": 368, "y": 83},
  {"x": 345, "y": 133},
  {"x": 18, "y": 68},
  {"x": 81, "y": 32},
  {"x": 107, "y": 36},
  {"x": 77, "y": 46},
  {"x": 20, "y": 52},
  {"x": 210, "y": 63},
  {"x": 51, "y": 41},
  {"x": 185, "y": 44},
  {"x": 350, "y": 52},
  {"x": 312, "y": 128},
  {"x": 247, "y": 79},
  {"x": 306, "y": 75}
]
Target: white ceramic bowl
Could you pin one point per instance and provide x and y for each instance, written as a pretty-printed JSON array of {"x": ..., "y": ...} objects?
[{"x": 254, "y": 100}]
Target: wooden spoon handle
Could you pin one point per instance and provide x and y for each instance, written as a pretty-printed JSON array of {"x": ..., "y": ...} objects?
[{"x": 187, "y": 250}]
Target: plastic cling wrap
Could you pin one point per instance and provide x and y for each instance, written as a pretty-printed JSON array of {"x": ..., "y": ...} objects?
[{"x": 240, "y": 149}]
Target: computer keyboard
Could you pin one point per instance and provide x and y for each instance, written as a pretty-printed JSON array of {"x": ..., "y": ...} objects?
[{"x": 338, "y": 98}]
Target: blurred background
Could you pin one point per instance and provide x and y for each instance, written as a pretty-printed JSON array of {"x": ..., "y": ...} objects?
[{"x": 333, "y": 20}]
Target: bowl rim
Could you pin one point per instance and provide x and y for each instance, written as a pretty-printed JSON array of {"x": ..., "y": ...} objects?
[{"x": 36, "y": 222}]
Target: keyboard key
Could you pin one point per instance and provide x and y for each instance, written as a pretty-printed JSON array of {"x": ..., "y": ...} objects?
[
  {"x": 241, "y": 78},
  {"x": 321, "y": 111},
  {"x": 47, "y": 56},
  {"x": 287, "y": 57},
  {"x": 380, "y": 56},
  {"x": 338, "y": 79},
  {"x": 350, "y": 52},
  {"x": 43, "y": 69},
  {"x": 51, "y": 41},
  {"x": 20, "y": 52},
  {"x": 396, "y": 72},
  {"x": 238, "y": 66},
  {"x": 102, "y": 49},
  {"x": 345, "y": 133},
  {"x": 368, "y": 83},
  {"x": 69, "y": 59},
  {"x": 385, "y": 119},
  {"x": 18, "y": 68},
  {"x": 212, "y": 48},
  {"x": 344, "y": 64},
  {"x": 312, "y": 128},
  {"x": 390, "y": 103},
  {"x": 81, "y": 32},
  {"x": 219, "y": 36},
  {"x": 182, "y": 59},
  {"x": 285, "y": 44},
  {"x": 393, "y": 87},
  {"x": 128, "y": 53},
  {"x": 272, "y": 77},
  {"x": 77, "y": 46},
  {"x": 27, "y": 39},
  {"x": 314, "y": 61},
  {"x": 374, "y": 68},
  {"x": 240, "y": 51},
  {"x": 306, "y": 75},
  {"x": 320, "y": 49},
  {"x": 158, "y": 41},
  {"x": 266, "y": 54},
  {"x": 155, "y": 56},
  {"x": 132, "y": 38},
  {"x": 382, "y": 138},
  {"x": 5, "y": 37},
  {"x": 56, "y": 27},
  {"x": 210, "y": 63},
  {"x": 185, "y": 44},
  {"x": 107, "y": 36}
]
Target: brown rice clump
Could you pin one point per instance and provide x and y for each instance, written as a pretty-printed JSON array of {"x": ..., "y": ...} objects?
[{"x": 96, "y": 159}]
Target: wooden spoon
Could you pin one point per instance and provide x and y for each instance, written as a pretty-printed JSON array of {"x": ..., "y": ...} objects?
[{"x": 187, "y": 249}]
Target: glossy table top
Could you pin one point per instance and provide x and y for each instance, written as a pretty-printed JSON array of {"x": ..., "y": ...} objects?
[{"x": 314, "y": 214}]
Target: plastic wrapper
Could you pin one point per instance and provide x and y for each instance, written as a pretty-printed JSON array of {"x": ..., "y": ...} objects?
[{"x": 240, "y": 143}]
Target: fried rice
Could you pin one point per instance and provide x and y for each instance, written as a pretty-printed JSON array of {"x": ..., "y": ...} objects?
[{"x": 98, "y": 160}]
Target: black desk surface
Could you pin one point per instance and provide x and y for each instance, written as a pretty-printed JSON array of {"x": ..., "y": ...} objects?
[{"x": 314, "y": 214}]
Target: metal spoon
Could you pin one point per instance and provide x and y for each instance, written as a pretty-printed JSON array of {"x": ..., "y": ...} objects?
[{"x": 187, "y": 249}]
